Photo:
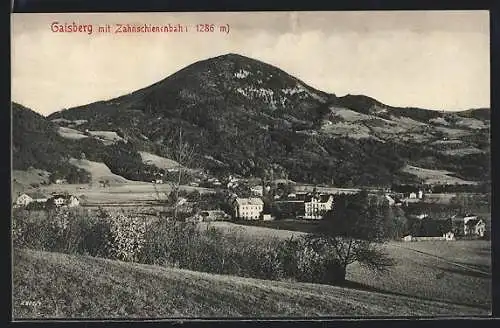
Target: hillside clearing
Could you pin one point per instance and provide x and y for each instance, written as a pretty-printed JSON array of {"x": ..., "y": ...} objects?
[
  {"x": 30, "y": 176},
  {"x": 84, "y": 287},
  {"x": 158, "y": 161},
  {"x": 107, "y": 137},
  {"x": 71, "y": 133},
  {"x": 434, "y": 176},
  {"x": 98, "y": 171},
  {"x": 23, "y": 180}
]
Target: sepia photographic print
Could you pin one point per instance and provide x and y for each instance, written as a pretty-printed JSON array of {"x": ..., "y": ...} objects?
[{"x": 251, "y": 165}]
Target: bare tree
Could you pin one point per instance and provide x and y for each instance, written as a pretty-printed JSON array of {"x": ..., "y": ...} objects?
[{"x": 183, "y": 154}]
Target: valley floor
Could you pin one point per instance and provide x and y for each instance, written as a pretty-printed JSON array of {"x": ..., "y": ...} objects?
[{"x": 53, "y": 285}]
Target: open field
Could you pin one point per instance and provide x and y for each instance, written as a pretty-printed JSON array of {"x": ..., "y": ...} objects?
[
  {"x": 22, "y": 180},
  {"x": 463, "y": 151},
  {"x": 98, "y": 171},
  {"x": 131, "y": 192},
  {"x": 435, "y": 176},
  {"x": 66, "y": 286},
  {"x": 252, "y": 231},
  {"x": 456, "y": 272}
]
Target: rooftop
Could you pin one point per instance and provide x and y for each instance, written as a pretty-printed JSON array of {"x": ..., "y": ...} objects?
[
  {"x": 249, "y": 201},
  {"x": 36, "y": 195}
]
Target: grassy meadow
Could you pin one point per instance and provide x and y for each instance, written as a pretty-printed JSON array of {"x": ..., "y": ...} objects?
[
  {"x": 69, "y": 286},
  {"x": 457, "y": 272}
]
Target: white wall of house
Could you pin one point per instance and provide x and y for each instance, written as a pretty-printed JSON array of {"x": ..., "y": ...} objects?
[
  {"x": 60, "y": 201},
  {"x": 23, "y": 200},
  {"x": 248, "y": 210},
  {"x": 315, "y": 208},
  {"x": 73, "y": 201}
]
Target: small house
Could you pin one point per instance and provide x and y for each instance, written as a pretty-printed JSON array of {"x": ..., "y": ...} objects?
[
  {"x": 390, "y": 200},
  {"x": 30, "y": 197},
  {"x": 412, "y": 195},
  {"x": 257, "y": 190},
  {"x": 60, "y": 200},
  {"x": 407, "y": 238},
  {"x": 449, "y": 236},
  {"x": 73, "y": 201},
  {"x": 475, "y": 227},
  {"x": 23, "y": 200},
  {"x": 267, "y": 217}
]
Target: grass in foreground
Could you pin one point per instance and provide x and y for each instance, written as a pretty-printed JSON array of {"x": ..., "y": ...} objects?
[
  {"x": 456, "y": 272},
  {"x": 69, "y": 286}
]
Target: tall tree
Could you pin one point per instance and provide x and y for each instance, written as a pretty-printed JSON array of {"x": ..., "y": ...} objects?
[
  {"x": 183, "y": 154},
  {"x": 355, "y": 228}
]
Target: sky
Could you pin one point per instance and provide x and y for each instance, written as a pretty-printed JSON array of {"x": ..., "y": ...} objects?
[{"x": 428, "y": 59}]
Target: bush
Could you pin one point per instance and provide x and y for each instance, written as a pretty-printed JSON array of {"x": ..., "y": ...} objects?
[
  {"x": 126, "y": 237},
  {"x": 58, "y": 230},
  {"x": 176, "y": 244}
]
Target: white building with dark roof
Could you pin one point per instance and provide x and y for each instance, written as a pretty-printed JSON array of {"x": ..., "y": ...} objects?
[
  {"x": 316, "y": 206},
  {"x": 248, "y": 208},
  {"x": 30, "y": 197}
]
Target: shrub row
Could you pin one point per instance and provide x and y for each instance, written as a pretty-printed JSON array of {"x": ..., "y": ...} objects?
[{"x": 176, "y": 244}]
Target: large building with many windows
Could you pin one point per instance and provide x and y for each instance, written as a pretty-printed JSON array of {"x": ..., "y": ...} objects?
[
  {"x": 248, "y": 208},
  {"x": 316, "y": 206}
]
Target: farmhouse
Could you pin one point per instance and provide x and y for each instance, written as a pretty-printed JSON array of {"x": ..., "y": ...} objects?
[
  {"x": 468, "y": 225},
  {"x": 390, "y": 200},
  {"x": 475, "y": 227},
  {"x": 65, "y": 200},
  {"x": 257, "y": 190},
  {"x": 316, "y": 206},
  {"x": 248, "y": 208},
  {"x": 267, "y": 217},
  {"x": 27, "y": 198}
]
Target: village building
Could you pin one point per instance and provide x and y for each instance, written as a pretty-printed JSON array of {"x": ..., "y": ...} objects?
[
  {"x": 267, "y": 217},
  {"x": 468, "y": 225},
  {"x": 475, "y": 227},
  {"x": 390, "y": 200},
  {"x": 257, "y": 190},
  {"x": 316, "y": 206},
  {"x": 248, "y": 208},
  {"x": 60, "y": 200},
  {"x": 30, "y": 197}
]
